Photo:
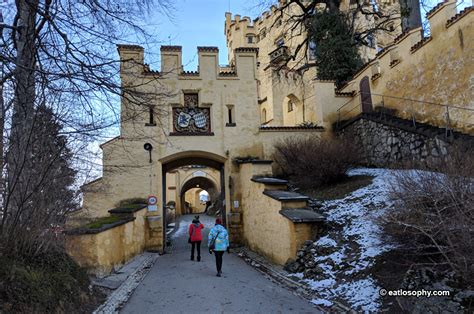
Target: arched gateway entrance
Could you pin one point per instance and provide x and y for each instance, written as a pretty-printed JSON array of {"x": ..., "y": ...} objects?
[
  {"x": 193, "y": 188},
  {"x": 194, "y": 158}
]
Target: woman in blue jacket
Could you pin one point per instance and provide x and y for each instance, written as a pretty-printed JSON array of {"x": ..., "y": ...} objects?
[{"x": 218, "y": 242}]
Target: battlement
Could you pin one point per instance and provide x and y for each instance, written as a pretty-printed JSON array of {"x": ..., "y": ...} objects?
[
  {"x": 236, "y": 22},
  {"x": 132, "y": 61},
  {"x": 440, "y": 18},
  {"x": 433, "y": 69}
]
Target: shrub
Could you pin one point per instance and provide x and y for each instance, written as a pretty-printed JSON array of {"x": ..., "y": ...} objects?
[
  {"x": 312, "y": 161},
  {"x": 50, "y": 282},
  {"x": 434, "y": 215}
]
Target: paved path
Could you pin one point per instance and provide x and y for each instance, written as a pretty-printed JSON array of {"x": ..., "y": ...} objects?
[{"x": 177, "y": 285}]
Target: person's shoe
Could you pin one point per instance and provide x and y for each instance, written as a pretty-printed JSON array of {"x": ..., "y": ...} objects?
[
  {"x": 199, "y": 258},
  {"x": 218, "y": 274},
  {"x": 192, "y": 258}
]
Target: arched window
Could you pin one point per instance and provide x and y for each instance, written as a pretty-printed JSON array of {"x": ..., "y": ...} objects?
[
  {"x": 291, "y": 105},
  {"x": 312, "y": 50},
  {"x": 280, "y": 42}
]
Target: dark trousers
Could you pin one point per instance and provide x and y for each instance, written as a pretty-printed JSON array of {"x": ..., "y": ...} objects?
[
  {"x": 219, "y": 255},
  {"x": 196, "y": 244}
]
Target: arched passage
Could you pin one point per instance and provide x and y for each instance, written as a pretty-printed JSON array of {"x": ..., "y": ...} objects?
[
  {"x": 195, "y": 159},
  {"x": 365, "y": 96},
  {"x": 202, "y": 183},
  {"x": 192, "y": 158}
]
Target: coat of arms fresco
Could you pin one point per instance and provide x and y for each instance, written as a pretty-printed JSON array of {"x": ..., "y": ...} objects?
[{"x": 191, "y": 120}]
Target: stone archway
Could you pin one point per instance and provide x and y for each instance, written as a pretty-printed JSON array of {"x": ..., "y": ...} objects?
[
  {"x": 199, "y": 158},
  {"x": 365, "y": 95},
  {"x": 202, "y": 183}
]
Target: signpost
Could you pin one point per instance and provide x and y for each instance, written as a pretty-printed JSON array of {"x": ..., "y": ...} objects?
[{"x": 152, "y": 203}]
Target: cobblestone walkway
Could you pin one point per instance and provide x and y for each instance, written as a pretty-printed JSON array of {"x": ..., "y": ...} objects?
[{"x": 177, "y": 285}]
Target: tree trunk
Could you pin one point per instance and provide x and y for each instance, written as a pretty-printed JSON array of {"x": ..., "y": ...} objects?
[{"x": 19, "y": 155}]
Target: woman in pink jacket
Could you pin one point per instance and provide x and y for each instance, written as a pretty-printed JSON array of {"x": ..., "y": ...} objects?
[{"x": 195, "y": 237}]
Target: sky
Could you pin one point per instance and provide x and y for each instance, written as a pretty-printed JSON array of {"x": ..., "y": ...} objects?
[
  {"x": 197, "y": 23},
  {"x": 201, "y": 23}
]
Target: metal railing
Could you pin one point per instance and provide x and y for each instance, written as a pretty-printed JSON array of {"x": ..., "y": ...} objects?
[{"x": 416, "y": 110}]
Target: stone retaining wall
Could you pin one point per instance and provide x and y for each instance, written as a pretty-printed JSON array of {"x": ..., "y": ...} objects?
[{"x": 385, "y": 145}]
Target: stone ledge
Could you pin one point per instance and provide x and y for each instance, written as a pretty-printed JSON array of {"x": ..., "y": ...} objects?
[
  {"x": 299, "y": 215},
  {"x": 82, "y": 230},
  {"x": 269, "y": 181},
  {"x": 240, "y": 161},
  {"x": 191, "y": 134},
  {"x": 285, "y": 196},
  {"x": 292, "y": 128},
  {"x": 171, "y": 48},
  {"x": 125, "y": 210}
]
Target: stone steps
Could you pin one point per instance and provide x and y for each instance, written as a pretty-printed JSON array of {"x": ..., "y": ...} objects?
[
  {"x": 270, "y": 180},
  {"x": 407, "y": 125},
  {"x": 293, "y": 204},
  {"x": 271, "y": 183},
  {"x": 302, "y": 215},
  {"x": 286, "y": 196}
]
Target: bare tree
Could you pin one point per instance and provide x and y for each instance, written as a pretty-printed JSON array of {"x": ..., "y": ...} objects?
[
  {"x": 434, "y": 215},
  {"x": 58, "y": 56},
  {"x": 365, "y": 20}
]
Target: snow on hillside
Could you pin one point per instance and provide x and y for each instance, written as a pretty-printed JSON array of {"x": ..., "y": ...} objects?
[{"x": 353, "y": 245}]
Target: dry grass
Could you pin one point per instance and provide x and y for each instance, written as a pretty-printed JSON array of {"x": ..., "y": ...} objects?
[{"x": 340, "y": 189}]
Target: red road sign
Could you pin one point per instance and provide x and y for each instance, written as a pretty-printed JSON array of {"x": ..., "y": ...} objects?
[{"x": 152, "y": 200}]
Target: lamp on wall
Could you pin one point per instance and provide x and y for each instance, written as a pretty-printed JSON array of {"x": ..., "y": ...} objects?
[{"x": 148, "y": 147}]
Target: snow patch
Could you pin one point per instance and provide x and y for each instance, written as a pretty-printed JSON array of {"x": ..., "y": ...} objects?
[
  {"x": 322, "y": 302},
  {"x": 356, "y": 246},
  {"x": 326, "y": 241}
]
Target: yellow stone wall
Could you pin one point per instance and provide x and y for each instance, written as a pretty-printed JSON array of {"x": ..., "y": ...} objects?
[
  {"x": 437, "y": 70},
  {"x": 192, "y": 197},
  {"x": 101, "y": 252},
  {"x": 265, "y": 230}
]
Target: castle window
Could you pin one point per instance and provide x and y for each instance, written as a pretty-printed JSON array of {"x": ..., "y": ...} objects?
[
  {"x": 290, "y": 106},
  {"x": 278, "y": 22},
  {"x": 264, "y": 115},
  {"x": 263, "y": 33},
  {"x": 191, "y": 100},
  {"x": 151, "y": 118},
  {"x": 312, "y": 50},
  {"x": 230, "y": 116},
  {"x": 391, "y": 27},
  {"x": 249, "y": 39},
  {"x": 280, "y": 42},
  {"x": 371, "y": 41}
]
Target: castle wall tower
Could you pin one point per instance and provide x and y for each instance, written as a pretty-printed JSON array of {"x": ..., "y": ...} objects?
[{"x": 285, "y": 80}]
